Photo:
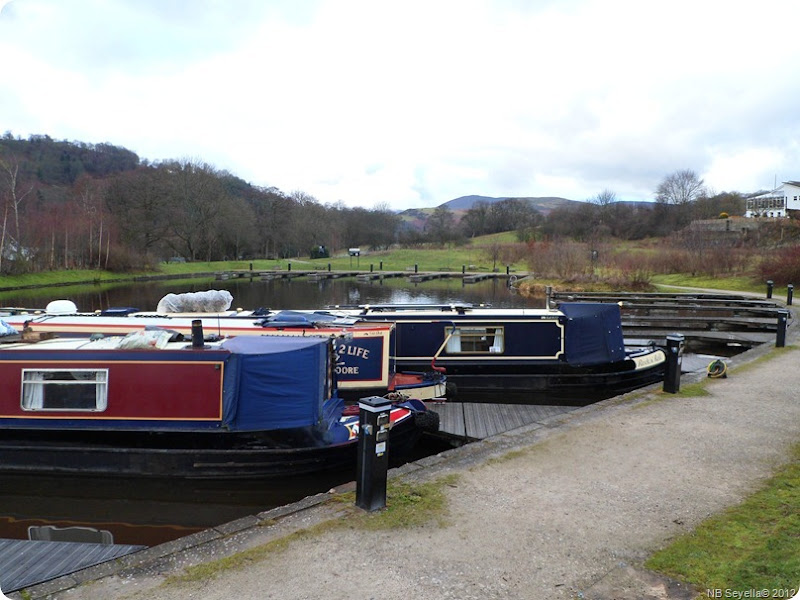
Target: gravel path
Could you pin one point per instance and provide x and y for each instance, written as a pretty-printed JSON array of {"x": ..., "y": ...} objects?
[{"x": 572, "y": 515}]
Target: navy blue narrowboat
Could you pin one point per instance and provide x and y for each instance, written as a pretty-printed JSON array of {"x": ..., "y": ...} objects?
[
  {"x": 574, "y": 354},
  {"x": 141, "y": 405},
  {"x": 365, "y": 352}
]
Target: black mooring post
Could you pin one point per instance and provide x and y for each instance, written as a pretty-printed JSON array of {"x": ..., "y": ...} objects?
[
  {"x": 783, "y": 318},
  {"x": 769, "y": 288},
  {"x": 371, "y": 267},
  {"x": 380, "y": 266},
  {"x": 416, "y": 268},
  {"x": 789, "y": 294},
  {"x": 329, "y": 267},
  {"x": 289, "y": 267},
  {"x": 672, "y": 371},
  {"x": 463, "y": 269},
  {"x": 508, "y": 269},
  {"x": 373, "y": 452}
]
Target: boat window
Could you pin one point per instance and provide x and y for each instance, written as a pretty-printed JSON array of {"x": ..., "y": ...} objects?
[
  {"x": 481, "y": 340},
  {"x": 65, "y": 389}
]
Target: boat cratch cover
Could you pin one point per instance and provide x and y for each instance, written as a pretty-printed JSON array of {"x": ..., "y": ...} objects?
[
  {"x": 280, "y": 385},
  {"x": 593, "y": 333}
]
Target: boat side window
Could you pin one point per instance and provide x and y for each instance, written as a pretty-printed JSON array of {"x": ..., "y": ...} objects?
[
  {"x": 476, "y": 340},
  {"x": 65, "y": 389}
]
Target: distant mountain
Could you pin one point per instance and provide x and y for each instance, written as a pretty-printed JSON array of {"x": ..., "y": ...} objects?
[
  {"x": 543, "y": 204},
  {"x": 415, "y": 218}
]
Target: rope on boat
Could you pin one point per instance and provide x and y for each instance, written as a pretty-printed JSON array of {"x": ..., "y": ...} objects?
[{"x": 717, "y": 369}]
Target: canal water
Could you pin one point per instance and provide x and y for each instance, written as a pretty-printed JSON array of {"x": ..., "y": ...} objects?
[
  {"x": 297, "y": 293},
  {"x": 154, "y": 512}
]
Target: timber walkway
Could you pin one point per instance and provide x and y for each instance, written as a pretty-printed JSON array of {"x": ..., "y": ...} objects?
[
  {"x": 412, "y": 274},
  {"x": 703, "y": 317}
]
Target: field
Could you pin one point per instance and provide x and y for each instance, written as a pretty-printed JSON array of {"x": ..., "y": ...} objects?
[{"x": 622, "y": 266}]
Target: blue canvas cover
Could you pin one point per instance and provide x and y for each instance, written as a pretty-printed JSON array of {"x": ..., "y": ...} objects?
[
  {"x": 274, "y": 382},
  {"x": 294, "y": 318},
  {"x": 593, "y": 333}
]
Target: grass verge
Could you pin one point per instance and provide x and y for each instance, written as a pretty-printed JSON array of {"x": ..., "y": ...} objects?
[
  {"x": 752, "y": 546},
  {"x": 407, "y": 505}
]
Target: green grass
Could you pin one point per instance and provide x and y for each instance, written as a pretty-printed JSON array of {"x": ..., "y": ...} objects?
[
  {"x": 736, "y": 284},
  {"x": 753, "y": 546},
  {"x": 475, "y": 256},
  {"x": 691, "y": 390},
  {"x": 407, "y": 505}
]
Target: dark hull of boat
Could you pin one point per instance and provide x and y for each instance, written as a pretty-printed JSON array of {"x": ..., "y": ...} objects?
[
  {"x": 185, "y": 456},
  {"x": 542, "y": 384}
]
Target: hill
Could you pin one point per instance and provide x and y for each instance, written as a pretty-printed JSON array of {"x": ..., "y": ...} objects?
[
  {"x": 60, "y": 163},
  {"x": 544, "y": 204},
  {"x": 415, "y": 218}
]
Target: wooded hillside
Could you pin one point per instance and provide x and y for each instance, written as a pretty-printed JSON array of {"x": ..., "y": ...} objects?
[{"x": 77, "y": 205}]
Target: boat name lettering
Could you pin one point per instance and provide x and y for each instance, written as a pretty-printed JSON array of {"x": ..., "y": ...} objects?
[
  {"x": 649, "y": 360},
  {"x": 343, "y": 370},
  {"x": 357, "y": 351}
]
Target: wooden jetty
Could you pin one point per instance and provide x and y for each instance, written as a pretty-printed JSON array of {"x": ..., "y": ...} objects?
[
  {"x": 702, "y": 318},
  {"x": 420, "y": 277},
  {"x": 379, "y": 275},
  {"x": 412, "y": 274},
  {"x": 24, "y": 563},
  {"x": 476, "y": 277},
  {"x": 472, "y": 421},
  {"x": 321, "y": 275}
]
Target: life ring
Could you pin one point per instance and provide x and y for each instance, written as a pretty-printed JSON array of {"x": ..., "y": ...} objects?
[{"x": 717, "y": 369}]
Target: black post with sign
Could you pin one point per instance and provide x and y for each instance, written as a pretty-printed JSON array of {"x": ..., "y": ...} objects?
[
  {"x": 373, "y": 452},
  {"x": 672, "y": 371},
  {"x": 780, "y": 338}
]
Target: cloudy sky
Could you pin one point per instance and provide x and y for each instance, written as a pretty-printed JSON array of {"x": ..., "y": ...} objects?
[{"x": 416, "y": 102}]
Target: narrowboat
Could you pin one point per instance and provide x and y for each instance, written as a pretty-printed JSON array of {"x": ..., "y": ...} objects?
[
  {"x": 145, "y": 405},
  {"x": 365, "y": 352},
  {"x": 573, "y": 354}
]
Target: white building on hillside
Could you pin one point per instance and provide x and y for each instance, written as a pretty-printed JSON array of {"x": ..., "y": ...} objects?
[{"x": 776, "y": 203}]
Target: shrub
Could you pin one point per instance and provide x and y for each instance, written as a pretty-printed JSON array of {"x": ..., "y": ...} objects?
[
  {"x": 124, "y": 260},
  {"x": 781, "y": 266}
]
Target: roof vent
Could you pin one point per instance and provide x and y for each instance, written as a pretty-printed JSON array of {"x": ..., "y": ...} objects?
[{"x": 61, "y": 307}]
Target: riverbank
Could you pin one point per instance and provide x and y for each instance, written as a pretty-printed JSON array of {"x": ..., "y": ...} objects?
[{"x": 567, "y": 508}]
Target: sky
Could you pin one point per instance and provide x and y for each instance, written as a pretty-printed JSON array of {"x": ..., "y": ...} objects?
[{"x": 411, "y": 103}]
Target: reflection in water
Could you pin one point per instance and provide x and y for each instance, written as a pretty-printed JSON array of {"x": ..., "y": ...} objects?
[
  {"x": 280, "y": 294},
  {"x": 150, "y": 512},
  {"x": 144, "y": 512}
]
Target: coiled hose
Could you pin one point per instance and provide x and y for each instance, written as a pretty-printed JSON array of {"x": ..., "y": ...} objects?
[{"x": 717, "y": 369}]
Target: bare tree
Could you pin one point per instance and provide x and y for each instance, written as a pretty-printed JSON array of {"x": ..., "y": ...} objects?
[
  {"x": 604, "y": 198},
  {"x": 196, "y": 198},
  {"x": 440, "y": 226},
  {"x": 12, "y": 198},
  {"x": 680, "y": 187}
]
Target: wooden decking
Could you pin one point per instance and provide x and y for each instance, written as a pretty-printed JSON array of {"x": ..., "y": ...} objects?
[
  {"x": 475, "y": 421},
  {"x": 25, "y": 563},
  {"x": 702, "y": 318},
  {"x": 412, "y": 275}
]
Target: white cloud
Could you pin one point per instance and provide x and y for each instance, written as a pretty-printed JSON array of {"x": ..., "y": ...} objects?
[{"x": 416, "y": 103}]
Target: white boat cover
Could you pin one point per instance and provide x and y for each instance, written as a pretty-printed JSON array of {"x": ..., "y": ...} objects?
[{"x": 195, "y": 302}]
